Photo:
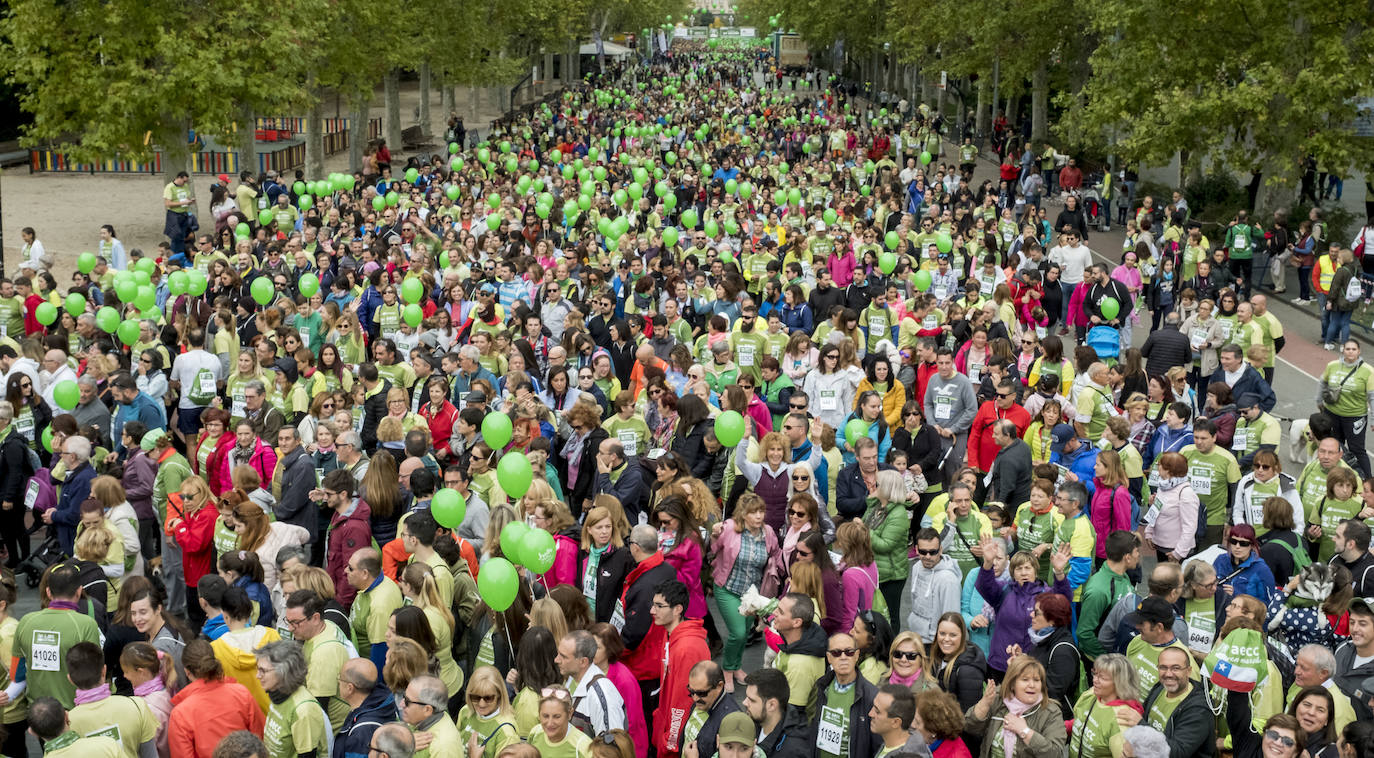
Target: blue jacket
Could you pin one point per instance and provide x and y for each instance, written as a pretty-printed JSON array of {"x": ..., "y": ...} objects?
[
  {"x": 1252, "y": 578},
  {"x": 371, "y": 299},
  {"x": 257, "y": 592},
  {"x": 144, "y": 409},
  {"x": 877, "y": 431},
  {"x": 67, "y": 514},
  {"x": 1081, "y": 462},
  {"x": 355, "y": 734},
  {"x": 1168, "y": 440},
  {"x": 462, "y": 384},
  {"x": 797, "y": 318},
  {"x": 1250, "y": 381}
]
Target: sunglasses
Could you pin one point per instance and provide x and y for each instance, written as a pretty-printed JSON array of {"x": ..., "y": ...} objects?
[
  {"x": 1286, "y": 741},
  {"x": 1264, "y": 466},
  {"x": 843, "y": 652},
  {"x": 482, "y": 698},
  {"x": 698, "y": 693},
  {"x": 1240, "y": 543},
  {"x": 796, "y": 407},
  {"x": 905, "y": 655},
  {"x": 803, "y": 553},
  {"x": 555, "y": 692},
  {"x": 1005, "y": 395},
  {"x": 936, "y": 551}
]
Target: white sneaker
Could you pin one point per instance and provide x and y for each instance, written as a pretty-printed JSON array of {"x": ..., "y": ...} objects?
[{"x": 1329, "y": 346}]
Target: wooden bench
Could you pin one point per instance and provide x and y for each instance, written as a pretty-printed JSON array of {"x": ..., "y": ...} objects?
[{"x": 414, "y": 136}]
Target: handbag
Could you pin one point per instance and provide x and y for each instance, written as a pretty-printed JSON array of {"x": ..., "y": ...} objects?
[{"x": 1332, "y": 395}]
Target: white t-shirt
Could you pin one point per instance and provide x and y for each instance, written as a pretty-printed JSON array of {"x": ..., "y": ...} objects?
[
  {"x": 185, "y": 368},
  {"x": 1073, "y": 261}
]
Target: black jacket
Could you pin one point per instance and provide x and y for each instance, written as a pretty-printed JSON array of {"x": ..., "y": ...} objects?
[
  {"x": 585, "y": 485},
  {"x": 821, "y": 301},
  {"x": 1075, "y": 219},
  {"x": 1191, "y": 728},
  {"x": 862, "y": 741},
  {"x": 1011, "y": 474},
  {"x": 1092, "y": 302},
  {"x": 706, "y": 738},
  {"x": 639, "y": 599},
  {"x": 610, "y": 578},
  {"x": 355, "y": 735},
  {"x": 922, "y": 449},
  {"x": 1250, "y": 381},
  {"x": 374, "y": 409},
  {"x": 1165, "y": 348},
  {"x": 297, "y": 480},
  {"x": 14, "y": 456},
  {"x": 851, "y": 494},
  {"x": 1060, "y": 657},
  {"x": 692, "y": 448},
  {"x": 965, "y": 681},
  {"x": 792, "y": 738}
]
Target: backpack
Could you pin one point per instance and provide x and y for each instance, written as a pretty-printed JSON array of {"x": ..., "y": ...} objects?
[
  {"x": 202, "y": 389},
  {"x": 1301, "y": 559},
  {"x": 581, "y": 722},
  {"x": 1354, "y": 290}
]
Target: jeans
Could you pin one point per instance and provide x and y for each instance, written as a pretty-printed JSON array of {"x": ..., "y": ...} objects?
[
  {"x": 1064, "y": 304},
  {"x": 1326, "y": 315},
  {"x": 1338, "y": 330},
  {"x": 736, "y": 626},
  {"x": 1304, "y": 282}
]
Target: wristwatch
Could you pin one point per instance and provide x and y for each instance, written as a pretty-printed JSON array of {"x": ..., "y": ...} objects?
[{"x": 1025, "y": 733}]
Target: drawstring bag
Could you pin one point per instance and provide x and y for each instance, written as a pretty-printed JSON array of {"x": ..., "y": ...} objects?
[{"x": 1238, "y": 663}]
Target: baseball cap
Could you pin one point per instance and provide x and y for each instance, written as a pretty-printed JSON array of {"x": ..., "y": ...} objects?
[
  {"x": 1156, "y": 611},
  {"x": 476, "y": 396},
  {"x": 151, "y": 438},
  {"x": 223, "y": 178},
  {"x": 1247, "y": 401},
  {"x": 1062, "y": 433},
  {"x": 737, "y": 727}
]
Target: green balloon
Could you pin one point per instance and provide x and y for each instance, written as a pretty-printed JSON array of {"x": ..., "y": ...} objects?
[
  {"x": 780, "y": 197},
  {"x": 887, "y": 263},
  {"x": 830, "y": 216},
  {"x": 494, "y": 222},
  {"x": 448, "y": 508},
  {"x": 729, "y": 428},
  {"x": 413, "y": 315},
  {"x": 85, "y": 263},
  {"x": 412, "y": 289},
  {"x": 393, "y": 199},
  {"x": 107, "y": 319},
  {"x": 514, "y": 474},
  {"x": 497, "y": 583},
  {"x": 263, "y": 290},
  {"x": 412, "y": 175},
  {"x": 493, "y": 201},
  {"x": 689, "y": 219},
  {"x": 242, "y": 229},
  {"x": 378, "y": 204},
  {"x": 712, "y": 229},
  {"x": 452, "y": 192},
  {"x": 299, "y": 187},
  {"x": 746, "y": 190},
  {"x": 537, "y": 550},
  {"x": 922, "y": 280},
  {"x": 512, "y": 535},
  {"x": 128, "y": 331},
  {"x": 177, "y": 282},
  {"x": 66, "y": 394},
  {"x": 196, "y": 282},
  {"x": 925, "y": 158},
  {"x": 892, "y": 239},
  {"x": 670, "y": 236},
  {"x": 146, "y": 299},
  {"x": 143, "y": 278},
  {"x": 496, "y": 430},
  {"x": 47, "y": 438},
  {"x": 265, "y": 215},
  {"x": 76, "y": 304},
  {"x": 794, "y": 196},
  {"x": 1110, "y": 307},
  {"x": 855, "y": 429},
  {"x": 943, "y": 242},
  {"x": 304, "y": 202},
  {"x": 46, "y": 313},
  {"x": 308, "y": 284}
]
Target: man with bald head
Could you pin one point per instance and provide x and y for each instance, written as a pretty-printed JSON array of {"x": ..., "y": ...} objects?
[
  {"x": 710, "y": 705},
  {"x": 55, "y": 371},
  {"x": 644, "y": 359},
  {"x": 370, "y": 702},
  {"x": 378, "y": 597},
  {"x": 844, "y": 700},
  {"x": 392, "y": 740}
]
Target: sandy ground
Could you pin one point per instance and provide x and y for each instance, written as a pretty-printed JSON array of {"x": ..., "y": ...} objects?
[{"x": 132, "y": 203}]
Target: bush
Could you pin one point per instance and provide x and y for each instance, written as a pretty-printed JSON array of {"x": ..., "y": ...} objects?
[
  {"x": 1341, "y": 223},
  {"x": 1216, "y": 198}
]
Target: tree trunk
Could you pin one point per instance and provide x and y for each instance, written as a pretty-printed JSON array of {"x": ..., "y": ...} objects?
[
  {"x": 359, "y": 111},
  {"x": 446, "y": 102},
  {"x": 1040, "y": 110},
  {"x": 425, "y": 83},
  {"x": 1278, "y": 188},
  {"x": 391, "y": 88},
  {"x": 176, "y": 157},
  {"x": 314, "y": 142},
  {"x": 980, "y": 117},
  {"x": 246, "y": 142}
]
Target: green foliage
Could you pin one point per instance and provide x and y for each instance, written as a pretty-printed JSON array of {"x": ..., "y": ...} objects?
[{"x": 1215, "y": 197}]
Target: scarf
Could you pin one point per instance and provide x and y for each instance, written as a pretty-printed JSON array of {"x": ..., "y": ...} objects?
[
  {"x": 1018, "y": 708},
  {"x": 278, "y": 698},
  {"x": 93, "y": 695},
  {"x": 1172, "y": 482},
  {"x": 1038, "y": 636},
  {"x": 149, "y": 687},
  {"x": 904, "y": 681}
]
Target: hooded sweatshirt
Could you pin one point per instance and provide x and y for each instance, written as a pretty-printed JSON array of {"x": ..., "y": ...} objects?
[
  {"x": 803, "y": 662},
  {"x": 933, "y": 592},
  {"x": 355, "y": 735},
  {"x": 234, "y": 650},
  {"x": 206, "y": 711},
  {"x": 686, "y": 647}
]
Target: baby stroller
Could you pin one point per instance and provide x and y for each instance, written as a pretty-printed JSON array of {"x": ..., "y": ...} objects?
[
  {"x": 46, "y": 554},
  {"x": 1106, "y": 341}
]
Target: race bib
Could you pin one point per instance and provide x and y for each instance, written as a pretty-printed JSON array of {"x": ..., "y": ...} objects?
[
  {"x": 975, "y": 374},
  {"x": 1241, "y": 437},
  {"x": 830, "y": 400},
  {"x": 877, "y": 325},
  {"x": 46, "y": 652},
  {"x": 830, "y": 734},
  {"x": 25, "y": 426},
  {"x": 206, "y": 380},
  {"x": 31, "y": 494},
  {"x": 1200, "y": 639},
  {"x": 944, "y": 408},
  {"x": 746, "y": 355},
  {"x": 618, "y": 615},
  {"x": 305, "y": 338},
  {"x": 1198, "y": 337},
  {"x": 929, "y": 322},
  {"x": 1226, "y": 330},
  {"x": 1041, "y": 332},
  {"x": 941, "y": 292},
  {"x": 629, "y": 440},
  {"x": 1201, "y": 483},
  {"x": 238, "y": 408},
  {"x": 986, "y": 284}
]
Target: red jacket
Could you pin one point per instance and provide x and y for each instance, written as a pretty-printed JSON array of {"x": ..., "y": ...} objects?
[
  {"x": 347, "y": 535},
  {"x": 646, "y": 658},
  {"x": 923, "y": 373},
  {"x": 31, "y": 325},
  {"x": 196, "y": 537},
  {"x": 216, "y": 474},
  {"x": 440, "y": 425},
  {"x": 205, "y": 712},
  {"x": 686, "y": 647},
  {"x": 982, "y": 451}
]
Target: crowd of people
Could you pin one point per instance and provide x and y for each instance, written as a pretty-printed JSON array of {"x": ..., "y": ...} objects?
[{"x": 760, "y": 374}]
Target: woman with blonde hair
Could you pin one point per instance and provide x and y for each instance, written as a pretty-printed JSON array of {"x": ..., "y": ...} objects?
[
  {"x": 259, "y": 535},
  {"x": 487, "y": 717},
  {"x": 1115, "y": 690},
  {"x": 603, "y": 561},
  {"x": 418, "y": 585},
  {"x": 113, "y": 499},
  {"x": 191, "y": 520},
  {"x": 554, "y": 735},
  {"x": 888, "y": 526},
  {"x": 546, "y": 612},
  {"x": 405, "y": 660},
  {"x": 499, "y": 515},
  {"x": 398, "y": 407},
  {"x": 907, "y": 660},
  {"x": 302, "y": 577},
  {"x": 705, "y": 506},
  {"x": 770, "y": 479},
  {"x": 744, "y": 554},
  {"x": 1111, "y": 501}
]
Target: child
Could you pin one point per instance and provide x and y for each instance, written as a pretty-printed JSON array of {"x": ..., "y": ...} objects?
[
  {"x": 309, "y": 324},
  {"x": 242, "y": 568},
  {"x": 154, "y": 677},
  {"x": 1027, "y": 292},
  {"x": 539, "y": 453},
  {"x": 915, "y": 483}
]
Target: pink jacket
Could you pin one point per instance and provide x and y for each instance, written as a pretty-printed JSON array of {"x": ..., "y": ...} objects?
[
  {"x": 564, "y": 568},
  {"x": 1111, "y": 510},
  {"x": 686, "y": 558},
  {"x": 263, "y": 460},
  {"x": 758, "y": 412},
  {"x": 1175, "y": 525},
  {"x": 725, "y": 549},
  {"x": 841, "y": 267},
  {"x": 860, "y": 585},
  {"x": 628, "y": 687}
]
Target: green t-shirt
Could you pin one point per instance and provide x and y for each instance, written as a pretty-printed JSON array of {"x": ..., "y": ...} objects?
[
  {"x": 633, "y": 433},
  {"x": 325, "y": 655},
  {"x": 43, "y": 640},
  {"x": 574, "y": 744},
  {"x": 126, "y": 720},
  {"x": 296, "y": 725},
  {"x": 832, "y": 733},
  {"x": 1210, "y": 474},
  {"x": 1036, "y": 529},
  {"x": 370, "y": 612},
  {"x": 1355, "y": 392},
  {"x": 1201, "y": 616},
  {"x": 1163, "y": 707},
  {"x": 72, "y": 745},
  {"x": 11, "y": 317},
  {"x": 1239, "y": 243},
  {"x": 1249, "y": 435},
  {"x": 967, "y": 527},
  {"x": 1094, "y": 407},
  {"x": 1096, "y": 733},
  {"x": 493, "y": 733},
  {"x": 878, "y": 325},
  {"x": 226, "y": 539},
  {"x": 749, "y": 348},
  {"x": 1144, "y": 657}
]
